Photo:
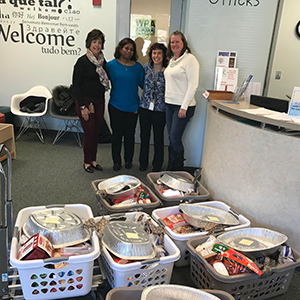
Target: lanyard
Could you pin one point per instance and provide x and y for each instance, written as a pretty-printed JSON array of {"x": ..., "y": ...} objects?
[{"x": 155, "y": 80}]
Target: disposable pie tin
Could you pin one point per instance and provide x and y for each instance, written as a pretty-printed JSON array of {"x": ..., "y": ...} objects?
[
  {"x": 177, "y": 182},
  {"x": 175, "y": 292},
  {"x": 127, "y": 240},
  {"x": 196, "y": 214},
  {"x": 61, "y": 227},
  {"x": 253, "y": 240},
  {"x": 120, "y": 186}
]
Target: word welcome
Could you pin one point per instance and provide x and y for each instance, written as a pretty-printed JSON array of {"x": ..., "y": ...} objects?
[{"x": 32, "y": 37}]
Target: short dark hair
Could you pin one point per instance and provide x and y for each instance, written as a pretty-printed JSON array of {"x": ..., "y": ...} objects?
[
  {"x": 185, "y": 44},
  {"x": 95, "y": 34},
  {"x": 158, "y": 46},
  {"x": 122, "y": 44}
]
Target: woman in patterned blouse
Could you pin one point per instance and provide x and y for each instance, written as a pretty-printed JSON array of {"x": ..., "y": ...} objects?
[{"x": 152, "y": 107}]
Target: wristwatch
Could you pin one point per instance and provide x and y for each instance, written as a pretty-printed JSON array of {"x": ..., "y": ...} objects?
[{"x": 82, "y": 107}]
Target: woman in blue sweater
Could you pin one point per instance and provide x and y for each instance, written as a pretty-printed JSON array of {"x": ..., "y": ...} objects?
[{"x": 126, "y": 75}]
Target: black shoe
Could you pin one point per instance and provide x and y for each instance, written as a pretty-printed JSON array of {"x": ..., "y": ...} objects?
[
  {"x": 142, "y": 168},
  {"x": 88, "y": 169},
  {"x": 156, "y": 170},
  {"x": 97, "y": 167},
  {"x": 128, "y": 165},
  {"x": 117, "y": 167}
]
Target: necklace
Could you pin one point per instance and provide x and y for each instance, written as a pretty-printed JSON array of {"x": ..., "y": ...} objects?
[
  {"x": 159, "y": 69},
  {"x": 126, "y": 64}
]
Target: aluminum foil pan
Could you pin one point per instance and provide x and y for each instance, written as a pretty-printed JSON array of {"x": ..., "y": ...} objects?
[
  {"x": 120, "y": 186},
  {"x": 127, "y": 240},
  {"x": 177, "y": 182},
  {"x": 62, "y": 228},
  {"x": 175, "y": 292},
  {"x": 196, "y": 214},
  {"x": 254, "y": 241}
]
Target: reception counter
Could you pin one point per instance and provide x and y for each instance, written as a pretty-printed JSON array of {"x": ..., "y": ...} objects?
[{"x": 253, "y": 164}]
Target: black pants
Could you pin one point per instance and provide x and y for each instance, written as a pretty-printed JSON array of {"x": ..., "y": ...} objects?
[
  {"x": 123, "y": 125},
  {"x": 157, "y": 120}
]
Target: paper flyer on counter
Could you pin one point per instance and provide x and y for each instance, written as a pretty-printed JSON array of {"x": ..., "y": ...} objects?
[{"x": 294, "y": 108}]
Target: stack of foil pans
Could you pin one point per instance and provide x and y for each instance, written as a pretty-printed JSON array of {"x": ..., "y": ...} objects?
[
  {"x": 120, "y": 186},
  {"x": 254, "y": 241},
  {"x": 175, "y": 292},
  {"x": 62, "y": 228},
  {"x": 127, "y": 240},
  {"x": 197, "y": 215},
  {"x": 177, "y": 182}
]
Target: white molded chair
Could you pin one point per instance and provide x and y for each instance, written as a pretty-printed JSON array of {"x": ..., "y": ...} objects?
[
  {"x": 31, "y": 120},
  {"x": 69, "y": 124}
]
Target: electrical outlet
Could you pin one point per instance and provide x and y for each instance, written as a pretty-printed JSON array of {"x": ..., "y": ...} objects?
[{"x": 278, "y": 75}]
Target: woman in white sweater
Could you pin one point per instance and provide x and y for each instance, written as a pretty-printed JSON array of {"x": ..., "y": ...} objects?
[{"x": 182, "y": 78}]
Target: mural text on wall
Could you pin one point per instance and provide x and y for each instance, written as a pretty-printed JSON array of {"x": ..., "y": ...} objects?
[{"x": 50, "y": 25}]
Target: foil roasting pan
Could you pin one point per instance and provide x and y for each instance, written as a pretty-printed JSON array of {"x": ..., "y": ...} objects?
[
  {"x": 127, "y": 240},
  {"x": 197, "y": 214},
  {"x": 177, "y": 182},
  {"x": 120, "y": 186},
  {"x": 254, "y": 241},
  {"x": 61, "y": 227},
  {"x": 175, "y": 292}
]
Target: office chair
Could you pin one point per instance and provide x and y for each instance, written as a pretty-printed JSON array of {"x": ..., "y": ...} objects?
[
  {"x": 32, "y": 119},
  {"x": 68, "y": 125}
]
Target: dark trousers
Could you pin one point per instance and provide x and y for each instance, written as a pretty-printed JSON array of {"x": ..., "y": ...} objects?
[
  {"x": 91, "y": 129},
  {"x": 156, "y": 120},
  {"x": 123, "y": 125},
  {"x": 176, "y": 126}
]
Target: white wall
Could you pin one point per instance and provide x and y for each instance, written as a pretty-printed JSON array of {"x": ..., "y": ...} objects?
[
  {"x": 213, "y": 25},
  {"x": 286, "y": 54},
  {"x": 24, "y": 64}
]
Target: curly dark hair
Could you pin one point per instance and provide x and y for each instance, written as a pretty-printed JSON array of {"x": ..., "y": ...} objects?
[
  {"x": 185, "y": 44},
  {"x": 158, "y": 46},
  {"x": 122, "y": 44},
  {"x": 95, "y": 34}
]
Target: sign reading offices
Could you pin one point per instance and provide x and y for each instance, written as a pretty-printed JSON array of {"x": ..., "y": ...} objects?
[
  {"x": 51, "y": 24},
  {"x": 236, "y": 2}
]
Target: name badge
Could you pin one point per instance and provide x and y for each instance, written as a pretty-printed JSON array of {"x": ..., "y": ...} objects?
[{"x": 151, "y": 106}]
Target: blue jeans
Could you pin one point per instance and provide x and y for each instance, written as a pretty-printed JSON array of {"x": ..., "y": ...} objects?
[{"x": 176, "y": 126}]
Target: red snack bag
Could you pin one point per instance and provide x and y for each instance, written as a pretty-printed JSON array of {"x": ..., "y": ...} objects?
[
  {"x": 233, "y": 256},
  {"x": 175, "y": 220}
]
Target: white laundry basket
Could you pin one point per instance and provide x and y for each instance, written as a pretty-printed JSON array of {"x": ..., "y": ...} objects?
[
  {"x": 181, "y": 239},
  {"x": 140, "y": 274},
  {"x": 42, "y": 279}
]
